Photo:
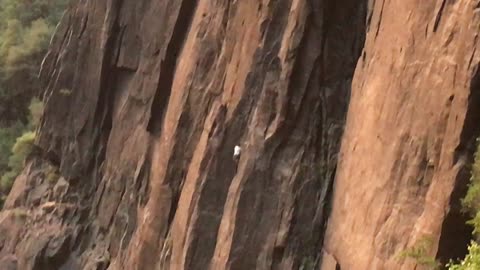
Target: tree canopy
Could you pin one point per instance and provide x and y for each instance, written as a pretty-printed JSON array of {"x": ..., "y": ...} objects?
[{"x": 26, "y": 27}]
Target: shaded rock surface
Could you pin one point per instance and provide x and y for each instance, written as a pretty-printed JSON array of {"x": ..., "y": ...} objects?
[{"x": 146, "y": 100}]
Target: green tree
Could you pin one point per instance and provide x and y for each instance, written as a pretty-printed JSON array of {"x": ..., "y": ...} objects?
[
  {"x": 20, "y": 150},
  {"x": 7, "y": 139},
  {"x": 25, "y": 30},
  {"x": 471, "y": 261}
]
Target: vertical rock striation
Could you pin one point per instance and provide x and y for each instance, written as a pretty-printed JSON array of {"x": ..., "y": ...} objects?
[{"x": 146, "y": 100}]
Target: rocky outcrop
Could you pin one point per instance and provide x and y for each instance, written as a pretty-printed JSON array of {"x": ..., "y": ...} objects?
[
  {"x": 410, "y": 135},
  {"x": 146, "y": 100}
]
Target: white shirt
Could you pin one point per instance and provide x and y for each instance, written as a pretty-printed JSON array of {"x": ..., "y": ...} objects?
[{"x": 236, "y": 150}]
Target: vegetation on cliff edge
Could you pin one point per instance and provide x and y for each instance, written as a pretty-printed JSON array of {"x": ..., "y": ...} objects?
[
  {"x": 25, "y": 30},
  {"x": 471, "y": 202}
]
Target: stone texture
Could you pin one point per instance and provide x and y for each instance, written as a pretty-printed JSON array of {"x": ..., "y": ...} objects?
[
  {"x": 412, "y": 123},
  {"x": 145, "y": 101}
]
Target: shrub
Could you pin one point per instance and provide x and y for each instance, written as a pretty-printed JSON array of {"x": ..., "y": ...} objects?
[
  {"x": 8, "y": 136},
  {"x": 36, "y": 111},
  {"x": 418, "y": 252},
  {"x": 15, "y": 148},
  {"x": 20, "y": 150},
  {"x": 6, "y": 182},
  {"x": 25, "y": 30},
  {"x": 33, "y": 43},
  {"x": 22, "y": 147},
  {"x": 471, "y": 261},
  {"x": 471, "y": 201}
]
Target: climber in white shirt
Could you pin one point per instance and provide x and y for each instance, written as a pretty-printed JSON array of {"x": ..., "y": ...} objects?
[{"x": 236, "y": 153}]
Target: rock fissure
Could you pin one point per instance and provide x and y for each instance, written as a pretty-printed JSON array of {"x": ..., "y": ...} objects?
[
  {"x": 355, "y": 140},
  {"x": 169, "y": 64},
  {"x": 456, "y": 234}
]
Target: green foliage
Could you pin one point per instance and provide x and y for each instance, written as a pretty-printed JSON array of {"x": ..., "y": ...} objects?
[
  {"x": 475, "y": 223},
  {"x": 471, "y": 261},
  {"x": 10, "y": 37},
  {"x": 471, "y": 202},
  {"x": 25, "y": 30},
  {"x": 22, "y": 147},
  {"x": 20, "y": 150},
  {"x": 419, "y": 253},
  {"x": 36, "y": 111},
  {"x": 472, "y": 199},
  {"x": 30, "y": 45},
  {"x": 8, "y": 136},
  {"x": 17, "y": 145},
  {"x": 7, "y": 140},
  {"x": 29, "y": 10},
  {"x": 6, "y": 182}
]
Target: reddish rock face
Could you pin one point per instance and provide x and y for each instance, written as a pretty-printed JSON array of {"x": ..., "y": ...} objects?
[
  {"x": 146, "y": 101},
  {"x": 412, "y": 122}
]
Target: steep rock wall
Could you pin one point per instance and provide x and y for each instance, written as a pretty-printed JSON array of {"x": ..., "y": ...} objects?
[
  {"x": 145, "y": 101},
  {"x": 410, "y": 136}
]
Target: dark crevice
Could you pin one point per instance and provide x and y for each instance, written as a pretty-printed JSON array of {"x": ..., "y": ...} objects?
[
  {"x": 470, "y": 61},
  {"x": 327, "y": 196},
  {"x": 54, "y": 254},
  {"x": 439, "y": 16},
  {"x": 175, "y": 199},
  {"x": 323, "y": 75},
  {"x": 223, "y": 168},
  {"x": 369, "y": 13},
  {"x": 103, "y": 116},
  {"x": 339, "y": 79},
  {"x": 84, "y": 26},
  {"x": 141, "y": 184},
  {"x": 168, "y": 65},
  {"x": 471, "y": 128},
  {"x": 380, "y": 17},
  {"x": 123, "y": 191},
  {"x": 456, "y": 235},
  {"x": 120, "y": 36},
  {"x": 53, "y": 158},
  {"x": 183, "y": 154},
  {"x": 277, "y": 257}
]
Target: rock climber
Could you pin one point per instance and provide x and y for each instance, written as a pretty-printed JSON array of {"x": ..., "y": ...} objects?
[{"x": 236, "y": 153}]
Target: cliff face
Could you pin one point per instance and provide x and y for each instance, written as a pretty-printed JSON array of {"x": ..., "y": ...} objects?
[
  {"x": 146, "y": 100},
  {"x": 412, "y": 122}
]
